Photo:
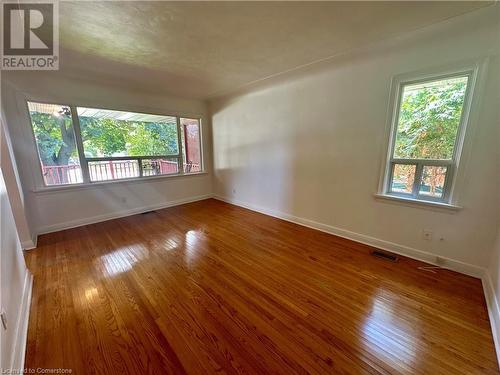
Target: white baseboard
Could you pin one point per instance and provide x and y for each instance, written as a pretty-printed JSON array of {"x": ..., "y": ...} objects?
[
  {"x": 493, "y": 310},
  {"x": 29, "y": 244},
  {"x": 455, "y": 265},
  {"x": 116, "y": 215},
  {"x": 452, "y": 264},
  {"x": 21, "y": 330}
]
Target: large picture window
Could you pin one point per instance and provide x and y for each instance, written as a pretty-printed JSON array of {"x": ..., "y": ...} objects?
[
  {"x": 428, "y": 126},
  {"x": 80, "y": 144}
]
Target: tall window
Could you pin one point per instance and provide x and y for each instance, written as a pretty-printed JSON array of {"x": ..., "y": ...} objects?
[
  {"x": 426, "y": 137},
  {"x": 79, "y": 144},
  {"x": 190, "y": 134}
]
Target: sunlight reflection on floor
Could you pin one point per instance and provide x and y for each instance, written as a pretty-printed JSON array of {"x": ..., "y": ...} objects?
[
  {"x": 385, "y": 333},
  {"x": 121, "y": 260},
  {"x": 192, "y": 237}
]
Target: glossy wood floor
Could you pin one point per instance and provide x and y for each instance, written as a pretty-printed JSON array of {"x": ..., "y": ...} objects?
[{"x": 213, "y": 288}]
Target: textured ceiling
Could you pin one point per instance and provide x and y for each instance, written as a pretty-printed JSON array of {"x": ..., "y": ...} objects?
[{"x": 200, "y": 49}]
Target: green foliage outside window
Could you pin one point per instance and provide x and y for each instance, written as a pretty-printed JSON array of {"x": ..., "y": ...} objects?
[
  {"x": 101, "y": 137},
  {"x": 107, "y": 137},
  {"x": 429, "y": 119},
  {"x": 55, "y": 137}
]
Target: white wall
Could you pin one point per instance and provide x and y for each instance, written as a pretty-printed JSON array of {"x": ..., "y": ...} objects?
[
  {"x": 491, "y": 278},
  {"x": 491, "y": 282},
  {"x": 49, "y": 211},
  {"x": 13, "y": 186},
  {"x": 15, "y": 285},
  {"x": 308, "y": 146}
]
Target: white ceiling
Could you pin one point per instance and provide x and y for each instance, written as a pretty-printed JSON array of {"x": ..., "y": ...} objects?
[{"x": 201, "y": 49}]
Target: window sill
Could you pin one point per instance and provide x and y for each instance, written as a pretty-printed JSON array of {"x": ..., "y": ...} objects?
[
  {"x": 82, "y": 186},
  {"x": 418, "y": 203}
]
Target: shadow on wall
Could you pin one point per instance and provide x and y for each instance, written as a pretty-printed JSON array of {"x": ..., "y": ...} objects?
[
  {"x": 249, "y": 163},
  {"x": 299, "y": 147},
  {"x": 290, "y": 138}
]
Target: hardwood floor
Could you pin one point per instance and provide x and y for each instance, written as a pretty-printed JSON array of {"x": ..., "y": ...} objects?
[{"x": 209, "y": 287}]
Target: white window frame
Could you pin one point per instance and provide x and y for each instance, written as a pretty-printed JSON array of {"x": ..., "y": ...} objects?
[
  {"x": 454, "y": 171},
  {"x": 84, "y": 160}
]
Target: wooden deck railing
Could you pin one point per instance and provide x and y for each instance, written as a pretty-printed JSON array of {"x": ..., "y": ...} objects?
[
  {"x": 113, "y": 170},
  {"x": 62, "y": 174}
]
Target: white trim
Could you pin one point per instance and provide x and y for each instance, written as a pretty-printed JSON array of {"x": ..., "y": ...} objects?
[
  {"x": 424, "y": 256},
  {"x": 46, "y": 98},
  {"x": 84, "y": 161},
  {"x": 476, "y": 70},
  {"x": 90, "y": 185},
  {"x": 493, "y": 310},
  {"x": 29, "y": 244},
  {"x": 26, "y": 129},
  {"x": 419, "y": 202},
  {"x": 21, "y": 330},
  {"x": 116, "y": 215}
]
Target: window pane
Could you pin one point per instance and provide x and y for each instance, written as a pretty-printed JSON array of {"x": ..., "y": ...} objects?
[
  {"x": 403, "y": 177},
  {"x": 190, "y": 136},
  {"x": 55, "y": 141},
  {"x": 429, "y": 118},
  {"x": 156, "y": 167},
  {"x": 118, "y": 133},
  {"x": 113, "y": 169},
  {"x": 432, "y": 184}
]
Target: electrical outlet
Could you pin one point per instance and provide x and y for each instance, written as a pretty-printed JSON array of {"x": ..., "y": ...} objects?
[
  {"x": 427, "y": 235},
  {"x": 234, "y": 191},
  {"x": 123, "y": 199}
]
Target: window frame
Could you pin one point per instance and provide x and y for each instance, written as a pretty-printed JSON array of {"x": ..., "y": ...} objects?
[
  {"x": 448, "y": 198},
  {"x": 84, "y": 161}
]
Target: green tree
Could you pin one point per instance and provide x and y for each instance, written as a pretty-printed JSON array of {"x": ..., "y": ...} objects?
[
  {"x": 55, "y": 137},
  {"x": 429, "y": 120},
  {"x": 104, "y": 137},
  {"x": 101, "y": 137},
  {"x": 428, "y": 123},
  {"x": 150, "y": 138}
]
